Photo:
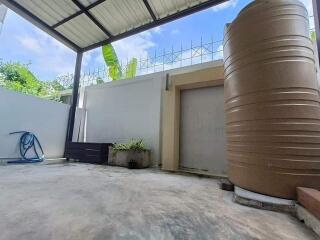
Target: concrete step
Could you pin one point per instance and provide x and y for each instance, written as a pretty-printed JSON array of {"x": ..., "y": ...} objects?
[{"x": 310, "y": 199}]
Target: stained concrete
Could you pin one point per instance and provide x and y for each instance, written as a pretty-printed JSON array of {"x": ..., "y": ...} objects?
[
  {"x": 79, "y": 201},
  {"x": 309, "y": 219}
]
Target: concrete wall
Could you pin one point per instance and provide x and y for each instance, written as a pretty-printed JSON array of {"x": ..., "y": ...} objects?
[
  {"x": 124, "y": 110},
  {"x": 46, "y": 119}
]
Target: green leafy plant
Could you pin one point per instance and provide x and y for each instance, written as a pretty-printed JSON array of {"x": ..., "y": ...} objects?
[
  {"x": 16, "y": 76},
  {"x": 111, "y": 60},
  {"x": 114, "y": 67},
  {"x": 133, "y": 145},
  {"x": 131, "y": 68}
]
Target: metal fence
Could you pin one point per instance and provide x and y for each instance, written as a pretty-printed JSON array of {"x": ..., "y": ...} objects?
[{"x": 156, "y": 62}]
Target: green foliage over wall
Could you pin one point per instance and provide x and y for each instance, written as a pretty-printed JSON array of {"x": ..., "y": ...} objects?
[
  {"x": 18, "y": 77},
  {"x": 313, "y": 36},
  {"x": 131, "y": 68},
  {"x": 114, "y": 67},
  {"x": 111, "y": 60}
]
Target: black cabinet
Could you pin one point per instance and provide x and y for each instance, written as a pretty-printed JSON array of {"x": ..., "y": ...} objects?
[{"x": 96, "y": 153}]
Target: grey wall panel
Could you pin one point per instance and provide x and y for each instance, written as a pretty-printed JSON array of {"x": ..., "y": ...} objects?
[
  {"x": 126, "y": 109},
  {"x": 202, "y": 138}
]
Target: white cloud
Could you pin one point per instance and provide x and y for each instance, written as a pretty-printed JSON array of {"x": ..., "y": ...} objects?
[
  {"x": 48, "y": 54},
  {"x": 308, "y": 4},
  {"x": 219, "y": 53},
  {"x": 175, "y": 31},
  {"x": 99, "y": 58},
  {"x": 134, "y": 46},
  {"x": 157, "y": 30},
  {"x": 150, "y": 32},
  {"x": 30, "y": 43},
  {"x": 89, "y": 56},
  {"x": 222, "y": 6}
]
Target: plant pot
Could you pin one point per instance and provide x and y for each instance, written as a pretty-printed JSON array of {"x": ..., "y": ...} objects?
[{"x": 129, "y": 158}]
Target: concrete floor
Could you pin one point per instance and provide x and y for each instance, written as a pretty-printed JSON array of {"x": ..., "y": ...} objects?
[{"x": 79, "y": 201}]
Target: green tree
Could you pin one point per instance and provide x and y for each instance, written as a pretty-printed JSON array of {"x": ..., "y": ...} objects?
[
  {"x": 57, "y": 86},
  {"x": 18, "y": 77},
  {"x": 99, "y": 80},
  {"x": 114, "y": 67}
]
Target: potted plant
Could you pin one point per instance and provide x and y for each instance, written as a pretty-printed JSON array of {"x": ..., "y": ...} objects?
[{"x": 132, "y": 155}]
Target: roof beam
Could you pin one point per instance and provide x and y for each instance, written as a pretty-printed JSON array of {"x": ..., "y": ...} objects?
[
  {"x": 92, "y": 18},
  {"x": 146, "y": 3},
  {"x": 157, "y": 22},
  {"x": 14, "y": 6},
  {"x": 77, "y": 13},
  {"x": 75, "y": 93}
]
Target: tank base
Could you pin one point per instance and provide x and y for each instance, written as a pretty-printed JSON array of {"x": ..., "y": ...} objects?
[{"x": 260, "y": 201}]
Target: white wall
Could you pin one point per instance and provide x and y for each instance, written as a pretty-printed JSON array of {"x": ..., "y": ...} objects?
[
  {"x": 121, "y": 110},
  {"x": 124, "y": 110},
  {"x": 46, "y": 119}
]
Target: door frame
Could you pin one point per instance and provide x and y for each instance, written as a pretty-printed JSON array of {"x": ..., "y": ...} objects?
[{"x": 209, "y": 77}]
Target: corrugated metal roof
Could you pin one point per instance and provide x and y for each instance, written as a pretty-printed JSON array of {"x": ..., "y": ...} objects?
[
  {"x": 163, "y": 8},
  {"x": 120, "y": 16},
  {"x": 85, "y": 24},
  {"x": 81, "y": 31},
  {"x": 50, "y": 11}
]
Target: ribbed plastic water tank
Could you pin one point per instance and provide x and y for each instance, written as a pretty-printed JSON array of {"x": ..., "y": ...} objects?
[{"x": 272, "y": 99}]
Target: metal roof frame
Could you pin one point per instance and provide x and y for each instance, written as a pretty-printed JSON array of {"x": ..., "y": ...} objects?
[
  {"x": 40, "y": 24},
  {"x": 157, "y": 22},
  {"x": 92, "y": 18},
  {"x": 51, "y": 30}
]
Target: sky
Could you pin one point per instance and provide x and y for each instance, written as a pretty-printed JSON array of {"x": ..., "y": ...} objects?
[{"x": 21, "y": 41}]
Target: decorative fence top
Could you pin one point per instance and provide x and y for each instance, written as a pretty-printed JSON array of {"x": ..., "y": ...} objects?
[{"x": 158, "y": 62}]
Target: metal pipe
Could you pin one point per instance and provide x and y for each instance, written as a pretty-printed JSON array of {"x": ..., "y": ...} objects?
[
  {"x": 316, "y": 14},
  {"x": 75, "y": 93}
]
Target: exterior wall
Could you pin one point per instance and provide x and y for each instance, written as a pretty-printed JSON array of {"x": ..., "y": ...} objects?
[
  {"x": 124, "y": 110},
  {"x": 46, "y": 119},
  {"x": 213, "y": 76},
  {"x": 121, "y": 110}
]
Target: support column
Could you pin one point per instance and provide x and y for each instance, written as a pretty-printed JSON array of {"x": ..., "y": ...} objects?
[
  {"x": 75, "y": 93},
  {"x": 316, "y": 14}
]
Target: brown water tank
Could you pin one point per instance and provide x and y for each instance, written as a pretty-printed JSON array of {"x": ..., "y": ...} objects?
[{"x": 272, "y": 99}]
